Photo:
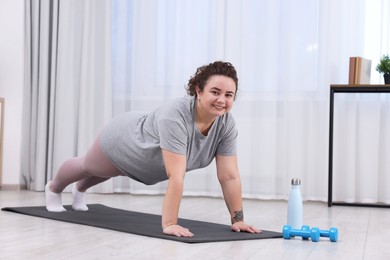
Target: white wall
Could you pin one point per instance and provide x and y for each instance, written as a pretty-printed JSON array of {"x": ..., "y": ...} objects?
[{"x": 11, "y": 85}]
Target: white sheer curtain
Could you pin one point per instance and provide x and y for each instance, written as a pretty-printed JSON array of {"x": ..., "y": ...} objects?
[
  {"x": 287, "y": 54},
  {"x": 362, "y": 123},
  {"x": 67, "y": 84},
  {"x": 83, "y": 100}
]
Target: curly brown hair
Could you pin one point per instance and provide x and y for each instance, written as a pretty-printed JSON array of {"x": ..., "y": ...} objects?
[{"x": 203, "y": 73}]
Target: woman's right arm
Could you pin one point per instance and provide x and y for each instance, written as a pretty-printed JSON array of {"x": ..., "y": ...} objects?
[{"x": 175, "y": 166}]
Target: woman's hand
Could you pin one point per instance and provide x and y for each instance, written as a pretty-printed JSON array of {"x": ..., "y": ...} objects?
[
  {"x": 176, "y": 230},
  {"x": 241, "y": 226}
]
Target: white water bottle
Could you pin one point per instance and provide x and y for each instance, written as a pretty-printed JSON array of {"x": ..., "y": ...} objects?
[{"x": 295, "y": 206}]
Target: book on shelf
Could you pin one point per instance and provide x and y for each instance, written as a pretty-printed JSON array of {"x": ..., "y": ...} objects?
[{"x": 359, "y": 70}]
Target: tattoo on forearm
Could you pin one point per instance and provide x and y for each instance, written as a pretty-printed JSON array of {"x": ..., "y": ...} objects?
[{"x": 238, "y": 216}]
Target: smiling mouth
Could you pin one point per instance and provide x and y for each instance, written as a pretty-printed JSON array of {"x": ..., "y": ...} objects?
[{"x": 219, "y": 107}]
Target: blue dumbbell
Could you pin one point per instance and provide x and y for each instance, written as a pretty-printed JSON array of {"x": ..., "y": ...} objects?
[
  {"x": 307, "y": 228},
  {"x": 314, "y": 233},
  {"x": 332, "y": 233}
]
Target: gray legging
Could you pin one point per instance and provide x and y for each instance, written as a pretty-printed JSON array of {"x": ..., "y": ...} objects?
[{"x": 87, "y": 171}]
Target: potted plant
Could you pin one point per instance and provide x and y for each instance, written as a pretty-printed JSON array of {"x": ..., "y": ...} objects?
[{"x": 384, "y": 67}]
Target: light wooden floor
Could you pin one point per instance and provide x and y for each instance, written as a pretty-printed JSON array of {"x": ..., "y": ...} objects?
[{"x": 363, "y": 232}]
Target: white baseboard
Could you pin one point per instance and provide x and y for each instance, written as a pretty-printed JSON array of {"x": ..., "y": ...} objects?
[{"x": 13, "y": 187}]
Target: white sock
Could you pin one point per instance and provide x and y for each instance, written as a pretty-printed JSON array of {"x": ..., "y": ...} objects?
[
  {"x": 53, "y": 200},
  {"x": 78, "y": 200}
]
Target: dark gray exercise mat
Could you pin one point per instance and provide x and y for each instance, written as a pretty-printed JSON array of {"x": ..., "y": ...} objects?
[{"x": 142, "y": 223}]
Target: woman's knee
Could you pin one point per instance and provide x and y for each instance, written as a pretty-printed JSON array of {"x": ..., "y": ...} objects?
[
  {"x": 99, "y": 167},
  {"x": 85, "y": 167}
]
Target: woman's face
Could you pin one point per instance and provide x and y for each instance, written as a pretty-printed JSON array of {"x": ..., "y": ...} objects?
[{"x": 217, "y": 96}]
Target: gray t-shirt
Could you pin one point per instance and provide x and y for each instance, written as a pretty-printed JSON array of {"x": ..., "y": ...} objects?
[{"x": 133, "y": 140}]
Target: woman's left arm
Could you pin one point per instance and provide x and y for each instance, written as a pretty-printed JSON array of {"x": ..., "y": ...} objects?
[{"x": 229, "y": 178}]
